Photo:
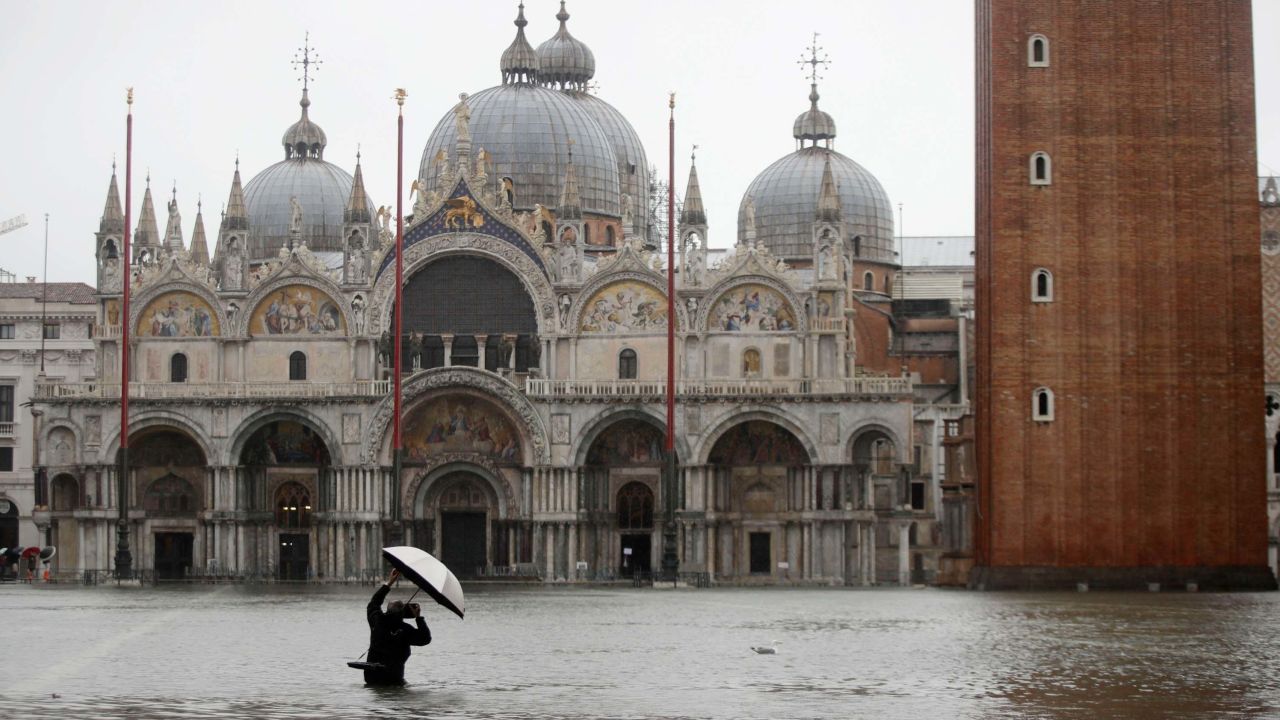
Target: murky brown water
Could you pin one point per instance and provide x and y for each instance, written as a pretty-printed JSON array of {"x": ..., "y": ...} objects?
[{"x": 265, "y": 652}]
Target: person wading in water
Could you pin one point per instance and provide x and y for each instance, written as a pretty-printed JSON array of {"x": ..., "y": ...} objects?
[{"x": 390, "y": 637}]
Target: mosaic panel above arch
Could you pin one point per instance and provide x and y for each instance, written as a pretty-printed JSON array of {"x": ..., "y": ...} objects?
[
  {"x": 751, "y": 308},
  {"x": 178, "y": 314},
  {"x": 627, "y": 442},
  {"x": 758, "y": 442},
  {"x": 297, "y": 310},
  {"x": 624, "y": 306},
  {"x": 457, "y": 423}
]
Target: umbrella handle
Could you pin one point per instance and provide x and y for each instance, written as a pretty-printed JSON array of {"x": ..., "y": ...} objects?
[{"x": 414, "y": 595}]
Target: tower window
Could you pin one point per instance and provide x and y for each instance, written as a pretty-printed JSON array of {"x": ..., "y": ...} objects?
[
  {"x": 1038, "y": 51},
  {"x": 1041, "y": 168},
  {"x": 1041, "y": 285},
  {"x": 178, "y": 368},
  {"x": 627, "y": 364},
  {"x": 868, "y": 281},
  {"x": 297, "y": 365},
  {"x": 1042, "y": 405}
]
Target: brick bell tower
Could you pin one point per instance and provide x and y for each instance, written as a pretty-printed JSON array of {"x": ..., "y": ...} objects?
[{"x": 1119, "y": 400}]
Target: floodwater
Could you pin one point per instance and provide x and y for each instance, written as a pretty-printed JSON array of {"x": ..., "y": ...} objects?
[{"x": 271, "y": 652}]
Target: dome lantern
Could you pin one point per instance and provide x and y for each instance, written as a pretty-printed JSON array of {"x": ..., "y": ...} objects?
[
  {"x": 564, "y": 61},
  {"x": 520, "y": 60}
]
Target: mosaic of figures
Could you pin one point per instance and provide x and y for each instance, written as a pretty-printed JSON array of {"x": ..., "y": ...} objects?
[
  {"x": 164, "y": 448},
  {"x": 625, "y": 307},
  {"x": 177, "y": 314},
  {"x": 752, "y": 308},
  {"x": 460, "y": 423},
  {"x": 285, "y": 442},
  {"x": 297, "y": 310},
  {"x": 758, "y": 442},
  {"x": 629, "y": 442}
]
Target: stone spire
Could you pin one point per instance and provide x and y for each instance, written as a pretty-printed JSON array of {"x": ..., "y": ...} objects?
[
  {"x": 358, "y": 203},
  {"x": 570, "y": 201},
  {"x": 519, "y": 61},
  {"x": 147, "y": 235},
  {"x": 828, "y": 195},
  {"x": 199, "y": 246},
  {"x": 112, "y": 216},
  {"x": 236, "y": 216},
  {"x": 692, "y": 212},
  {"x": 173, "y": 230}
]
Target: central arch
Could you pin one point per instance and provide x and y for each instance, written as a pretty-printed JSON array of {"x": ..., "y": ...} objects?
[{"x": 462, "y": 507}]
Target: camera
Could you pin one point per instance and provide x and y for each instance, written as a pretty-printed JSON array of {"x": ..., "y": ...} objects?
[{"x": 412, "y": 610}]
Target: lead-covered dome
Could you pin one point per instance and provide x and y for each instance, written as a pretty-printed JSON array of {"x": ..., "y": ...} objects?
[
  {"x": 628, "y": 152},
  {"x": 787, "y": 193},
  {"x": 321, "y": 188},
  {"x": 526, "y": 129},
  {"x": 786, "y": 204}
]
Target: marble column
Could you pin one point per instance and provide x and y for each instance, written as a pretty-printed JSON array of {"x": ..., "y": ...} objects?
[{"x": 904, "y": 554}]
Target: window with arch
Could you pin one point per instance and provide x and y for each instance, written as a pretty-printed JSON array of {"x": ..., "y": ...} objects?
[
  {"x": 293, "y": 506},
  {"x": 857, "y": 246},
  {"x": 1038, "y": 51},
  {"x": 868, "y": 281},
  {"x": 586, "y": 233},
  {"x": 1041, "y": 285},
  {"x": 1041, "y": 168},
  {"x": 610, "y": 238},
  {"x": 627, "y": 365},
  {"x": 751, "y": 365},
  {"x": 1042, "y": 405},
  {"x": 178, "y": 368},
  {"x": 635, "y": 507},
  {"x": 297, "y": 365},
  {"x": 888, "y": 285}
]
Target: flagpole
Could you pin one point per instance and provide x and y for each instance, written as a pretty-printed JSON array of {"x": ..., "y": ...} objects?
[
  {"x": 397, "y": 444},
  {"x": 670, "y": 563},
  {"x": 124, "y": 558}
]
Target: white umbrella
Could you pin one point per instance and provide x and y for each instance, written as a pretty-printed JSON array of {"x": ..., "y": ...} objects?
[{"x": 427, "y": 573}]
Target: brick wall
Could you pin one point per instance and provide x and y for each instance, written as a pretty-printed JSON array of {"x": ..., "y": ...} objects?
[{"x": 1152, "y": 344}]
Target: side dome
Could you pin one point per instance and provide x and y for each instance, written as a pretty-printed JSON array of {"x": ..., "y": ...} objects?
[
  {"x": 321, "y": 188},
  {"x": 628, "y": 151},
  {"x": 526, "y": 129},
  {"x": 786, "y": 204}
]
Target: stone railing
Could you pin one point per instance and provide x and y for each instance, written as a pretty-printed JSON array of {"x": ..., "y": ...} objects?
[
  {"x": 8, "y": 429},
  {"x": 222, "y": 390},
  {"x": 859, "y": 386},
  {"x": 106, "y": 332},
  {"x": 828, "y": 324}
]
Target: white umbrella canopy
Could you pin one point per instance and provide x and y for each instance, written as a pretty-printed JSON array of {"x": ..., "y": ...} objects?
[{"x": 427, "y": 573}]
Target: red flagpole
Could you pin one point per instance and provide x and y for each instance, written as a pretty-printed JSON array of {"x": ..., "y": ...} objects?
[
  {"x": 671, "y": 279},
  {"x": 397, "y": 442},
  {"x": 124, "y": 559}
]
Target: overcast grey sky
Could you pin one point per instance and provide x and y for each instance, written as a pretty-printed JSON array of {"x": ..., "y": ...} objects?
[{"x": 214, "y": 78}]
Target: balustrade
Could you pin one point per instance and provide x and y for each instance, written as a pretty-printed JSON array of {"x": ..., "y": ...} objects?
[{"x": 168, "y": 391}]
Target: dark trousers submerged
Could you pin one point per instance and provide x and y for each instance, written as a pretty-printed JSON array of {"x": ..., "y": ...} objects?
[{"x": 387, "y": 675}]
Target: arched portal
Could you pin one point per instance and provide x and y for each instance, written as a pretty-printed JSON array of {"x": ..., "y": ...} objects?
[
  {"x": 623, "y": 481},
  {"x": 464, "y": 505},
  {"x": 8, "y": 531},
  {"x": 759, "y": 470},
  {"x": 474, "y": 309},
  {"x": 876, "y": 466},
  {"x": 168, "y": 469},
  {"x": 284, "y": 460}
]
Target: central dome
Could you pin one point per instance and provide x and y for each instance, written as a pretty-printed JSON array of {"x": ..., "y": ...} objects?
[{"x": 526, "y": 130}]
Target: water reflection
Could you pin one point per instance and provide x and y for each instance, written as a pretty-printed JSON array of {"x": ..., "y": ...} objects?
[{"x": 275, "y": 652}]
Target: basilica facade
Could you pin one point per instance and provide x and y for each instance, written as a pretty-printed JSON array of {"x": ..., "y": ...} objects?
[{"x": 535, "y": 318}]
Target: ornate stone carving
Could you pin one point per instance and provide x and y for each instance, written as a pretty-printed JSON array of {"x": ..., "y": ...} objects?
[
  {"x": 561, "y": 423},
  {"x": 93, "y": 430},
  {"x": 462, "y": 377},
  {"x": 350, "y": 428},
  {"x": 491, "y": 470}
]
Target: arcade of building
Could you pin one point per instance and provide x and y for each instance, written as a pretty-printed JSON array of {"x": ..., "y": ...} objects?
[{"x": 535, "y": 317}]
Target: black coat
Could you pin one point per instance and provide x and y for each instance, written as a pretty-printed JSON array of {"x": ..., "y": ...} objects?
[{"x": 390, "y": 637}]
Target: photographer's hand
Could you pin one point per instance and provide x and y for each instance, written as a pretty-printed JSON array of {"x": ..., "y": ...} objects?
[{"x": 394, "y": 576}]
